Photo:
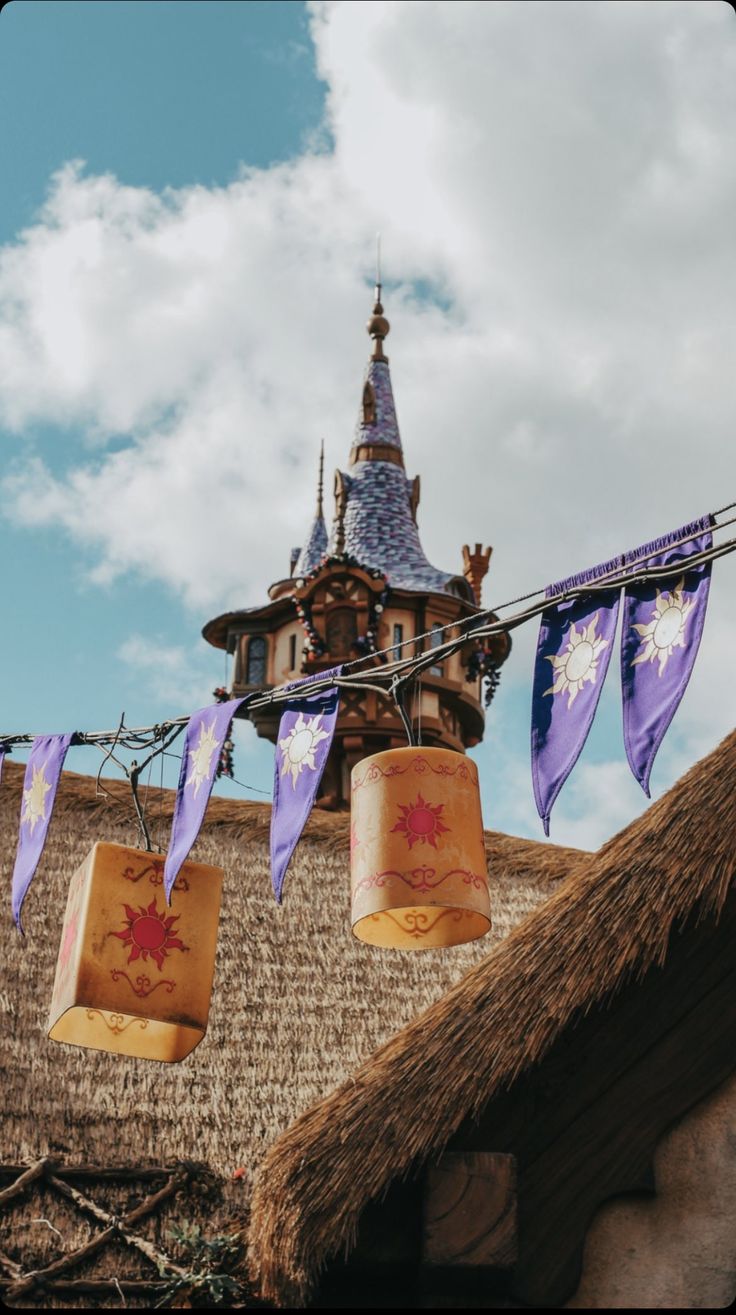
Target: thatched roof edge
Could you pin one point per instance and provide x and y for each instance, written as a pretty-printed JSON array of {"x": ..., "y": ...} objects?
[
  {"x": 248, "y": 820},
  {"x": 608, "y": 922}
]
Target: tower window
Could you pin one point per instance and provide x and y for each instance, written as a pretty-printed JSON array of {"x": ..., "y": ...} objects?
[
  {"x": 398, "y": 640},
  {"x": 342, "y": 631},
  {"x": 369, "y": 404},
  {"x": 292, "y": 652},
  {"x": 436, "y": 639},
  {"x": 256, "y": 670}
]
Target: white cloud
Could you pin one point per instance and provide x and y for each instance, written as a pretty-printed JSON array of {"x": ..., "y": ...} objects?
[
  {"x": 180, "y": 678},
  {"x": 563, "y": 174}
]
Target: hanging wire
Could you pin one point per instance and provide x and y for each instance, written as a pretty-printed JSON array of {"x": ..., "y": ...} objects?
[
  {"x": 398, "y": 693},
  {"x": 161, "y": 802},
  {"x": 254, "y": 788},
  {"x": 480, "y": 624},
  {"x": 145, "y": 797},
  {"x": 99, "y": 787}
]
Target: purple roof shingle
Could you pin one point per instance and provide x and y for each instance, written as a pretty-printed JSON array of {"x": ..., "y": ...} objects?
[
  {"x": 314, "y": 549},
  {"x": 380, "y": 530},
  {"x": 385, "y": 428}
]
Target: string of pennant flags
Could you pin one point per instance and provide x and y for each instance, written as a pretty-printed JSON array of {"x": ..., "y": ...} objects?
[{"x": 664, "y": 586}]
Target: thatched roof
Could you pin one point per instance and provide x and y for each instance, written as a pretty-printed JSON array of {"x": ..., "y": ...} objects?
[
  {"x": 297, "y": 1001},
  {"x": 608, "y": 922}
]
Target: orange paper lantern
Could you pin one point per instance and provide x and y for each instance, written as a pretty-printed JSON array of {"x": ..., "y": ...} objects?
[
  {"x": 134, "y": 976},
  {"x": 418, "y": 859}
]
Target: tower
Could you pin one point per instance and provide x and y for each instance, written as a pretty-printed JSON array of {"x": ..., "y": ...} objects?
[{"x": 363, "y": 587}]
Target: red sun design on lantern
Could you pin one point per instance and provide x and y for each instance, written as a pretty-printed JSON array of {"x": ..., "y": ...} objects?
[
  {"x": 421, "y": 822},
  {"x": 67, "y": 945},
  {"x": 149, "y": 932}
]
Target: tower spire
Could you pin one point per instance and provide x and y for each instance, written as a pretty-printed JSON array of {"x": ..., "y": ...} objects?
[
  {"x": 321, "y": 480},
  {"x": 306, "y": 558}
]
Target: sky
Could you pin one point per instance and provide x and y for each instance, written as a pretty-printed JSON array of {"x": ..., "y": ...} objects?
[{"x": 187, "y": 227}]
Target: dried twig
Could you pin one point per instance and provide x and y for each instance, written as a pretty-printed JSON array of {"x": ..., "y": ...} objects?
[
  {"x": 115, "y": 1227},
  {"x": 48, "y": 1224},
  {"x": 11, "y": 1267},
  {"x": 36, "y": 1170}
]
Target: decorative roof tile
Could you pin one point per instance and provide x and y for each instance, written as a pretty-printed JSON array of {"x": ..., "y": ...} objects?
[
  {"x": 385, "y": 428},
  {"x": 314, "y": 549},
  {"x": 380, "y": 530}
]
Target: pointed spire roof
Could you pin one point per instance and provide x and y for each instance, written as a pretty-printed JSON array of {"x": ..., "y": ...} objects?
[
  {"x": 377, "y": 426},
  {"x": 316, "y": 545},
  {"x": 379, "y": 524}
]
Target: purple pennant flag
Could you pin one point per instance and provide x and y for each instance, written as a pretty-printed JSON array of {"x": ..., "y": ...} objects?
[
  {"x": 304, "y": 740},
  {"x": 573, "y": 653},
  {"x": 662, "y": 626},
  {"x": 206, "y": 734},
  {"x": 39, "y": 791}
]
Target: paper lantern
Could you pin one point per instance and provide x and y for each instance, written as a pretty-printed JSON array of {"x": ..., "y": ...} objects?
[
  {"x": 418, "y": 859},
  {"x": 134, "y": 976}
]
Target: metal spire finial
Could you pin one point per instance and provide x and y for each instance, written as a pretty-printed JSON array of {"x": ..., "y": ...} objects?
[
  {"x": 321, "y": 480},
  {"x": 378, "y": 326}
]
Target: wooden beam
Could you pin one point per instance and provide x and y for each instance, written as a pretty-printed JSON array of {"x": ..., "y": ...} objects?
[{"x": 469, "y": 1210}]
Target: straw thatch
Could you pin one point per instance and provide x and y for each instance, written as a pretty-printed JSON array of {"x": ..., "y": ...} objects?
[
  {"x": 608, "y": 922},
  {"x": 297, "y": 1001}
]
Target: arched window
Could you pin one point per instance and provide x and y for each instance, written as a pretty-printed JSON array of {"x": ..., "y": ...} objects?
[
  {"x": 256, "y": 661},
  {"x": 369, "y": 404},
  {"x": 436, "y": 639},
  {"x": 342, "y": 631}
]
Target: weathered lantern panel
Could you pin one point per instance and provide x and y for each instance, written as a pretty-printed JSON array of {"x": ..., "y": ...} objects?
[
  {"x": 418, "y": 860},
  {"x": 134, "y": 976}
]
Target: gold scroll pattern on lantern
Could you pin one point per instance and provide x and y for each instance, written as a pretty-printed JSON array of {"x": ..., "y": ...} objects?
[
  {"x": 417, "y": 851},
  {"x": 133, "y": 975}
]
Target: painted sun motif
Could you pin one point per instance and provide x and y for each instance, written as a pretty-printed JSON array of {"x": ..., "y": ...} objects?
[
  {"x": 201, "y": 756},
  {"x": 578, "y": 661},
  {"x": 666, "y": 630},
  {"x": 299, "y": 745},
  {"x": 34, "y": 799},
  {"x": 421, "y": 822},
  {"x": 149, "y": 932}
]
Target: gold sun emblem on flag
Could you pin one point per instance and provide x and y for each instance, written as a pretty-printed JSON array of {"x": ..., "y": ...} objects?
[
  {"x": 299, "y": 745},
  {"x": 201, "y": 756},
  {"x": 666, "y": 630},
  {"x": 34, "y": 799},
  {"x": 578, "y": 661}
]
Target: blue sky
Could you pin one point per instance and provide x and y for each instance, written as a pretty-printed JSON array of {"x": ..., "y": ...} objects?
[
  {"x": 191, "y": 193},
  {"x": 162, "y": 95}
]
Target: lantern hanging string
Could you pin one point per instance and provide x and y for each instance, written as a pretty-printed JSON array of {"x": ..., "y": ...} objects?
[{"x": 481, "y": 624}]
